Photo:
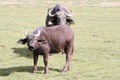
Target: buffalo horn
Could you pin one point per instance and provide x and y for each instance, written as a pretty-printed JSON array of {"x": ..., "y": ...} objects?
[
  {"x": 50, "y": 14},
  {"x": 38, "y": 33},
  {"x": 69, "y": 12},
  {"x": 26, "y": 33}
]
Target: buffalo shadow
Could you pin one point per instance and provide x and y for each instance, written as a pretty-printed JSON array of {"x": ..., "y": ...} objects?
[
  {"x": 23, "y": 52},
  {"x": 8, "y": 71}
]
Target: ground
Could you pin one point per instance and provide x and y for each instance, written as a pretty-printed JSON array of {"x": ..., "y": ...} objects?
[{"x": 97, "y": 40}]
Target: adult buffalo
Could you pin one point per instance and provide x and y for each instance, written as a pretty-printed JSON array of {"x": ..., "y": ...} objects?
[
  {"x": 50, "y": 40},
  {"x": 59, "y": 15}
]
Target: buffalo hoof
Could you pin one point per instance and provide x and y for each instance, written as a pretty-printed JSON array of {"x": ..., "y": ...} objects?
[
  {"x": 65, "y": 69},
  {"x": 45, "y": 72},
  {"x": 34, "y": 71}
]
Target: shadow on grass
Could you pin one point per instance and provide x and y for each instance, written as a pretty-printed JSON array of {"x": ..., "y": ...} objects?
[
  {"x": 23, "y": 52},
  {"x": 8, "y": 71}
]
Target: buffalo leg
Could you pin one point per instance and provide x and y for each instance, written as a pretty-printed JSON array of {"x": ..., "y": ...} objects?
[
  {"x": 35, "y": 60},
  {"x": 69, "y": 53},
  {"x": 45, "y": 58}
]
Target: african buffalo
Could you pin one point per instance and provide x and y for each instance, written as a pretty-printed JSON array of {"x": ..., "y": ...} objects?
[
  {"x": 59, "y": 15},
  {"x": 48, "y": 40}
]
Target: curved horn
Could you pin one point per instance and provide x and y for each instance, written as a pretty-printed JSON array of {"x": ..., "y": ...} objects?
[
  {"x": 50, "y": 14},
  {"x": 26, "y": 33},
  {"x": 68, "y": 12},
  {"x": 38, "y": 33}
]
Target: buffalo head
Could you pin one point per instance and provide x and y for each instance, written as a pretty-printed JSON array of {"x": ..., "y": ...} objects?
[
  {"x": 33, "y": 40},
  {"x": 59, "y": 15},
  {"x": 53, "y": 11}
]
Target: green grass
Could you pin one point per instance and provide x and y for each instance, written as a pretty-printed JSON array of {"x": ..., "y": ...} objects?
[{"x": 97, "y": 43}]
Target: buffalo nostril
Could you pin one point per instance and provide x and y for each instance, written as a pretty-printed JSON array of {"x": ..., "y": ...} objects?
[{"x": 31, "y": 48}]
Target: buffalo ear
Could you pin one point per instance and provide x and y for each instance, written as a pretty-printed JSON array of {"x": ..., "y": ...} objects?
[{"x": 22, "y": 41}]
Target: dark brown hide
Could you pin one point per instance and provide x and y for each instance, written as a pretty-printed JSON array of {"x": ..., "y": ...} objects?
[
  {"x": 57, "y": 37},
  {"x": 53, "y": 40}
]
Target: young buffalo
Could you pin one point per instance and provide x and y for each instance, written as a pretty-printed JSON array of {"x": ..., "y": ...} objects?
[{"x": 48, "y": 40}]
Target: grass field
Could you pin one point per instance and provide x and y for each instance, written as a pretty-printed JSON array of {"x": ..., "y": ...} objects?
[{"x": 97, "y": 40}]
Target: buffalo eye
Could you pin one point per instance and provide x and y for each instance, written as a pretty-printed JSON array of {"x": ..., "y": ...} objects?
[{"x": 42, "y": 41}]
